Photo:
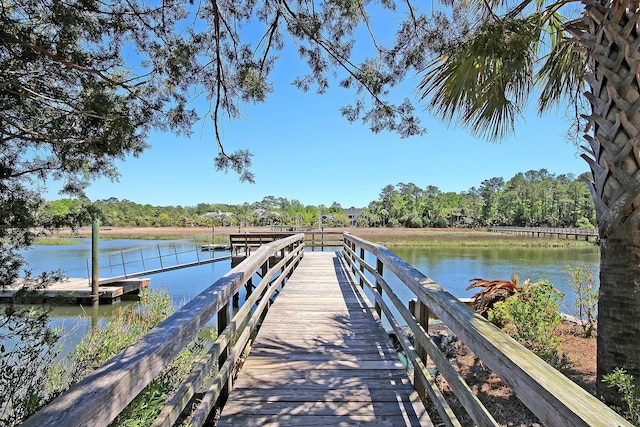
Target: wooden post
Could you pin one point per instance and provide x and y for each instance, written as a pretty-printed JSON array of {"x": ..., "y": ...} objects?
[
  {"x": 95, "y": 254},
  {"x": 224, "y": 317}
]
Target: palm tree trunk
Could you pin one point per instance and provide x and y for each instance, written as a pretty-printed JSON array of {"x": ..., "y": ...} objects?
[
  {"x": 610, "y": 34},
  {"x": 619, "y": 310}
]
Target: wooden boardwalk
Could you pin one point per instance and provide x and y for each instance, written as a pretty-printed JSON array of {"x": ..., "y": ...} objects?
[{"x": 322, "y": 358}]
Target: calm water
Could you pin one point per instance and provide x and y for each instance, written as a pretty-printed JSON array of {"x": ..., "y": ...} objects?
[
  {"x": 75, "y": 321},
  {"x": 452, "y": 268}
]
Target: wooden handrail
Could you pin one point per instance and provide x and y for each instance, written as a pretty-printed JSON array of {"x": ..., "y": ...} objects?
[
  {"x": 102, "y": 395},
  {"x": 553, "y": 398}
]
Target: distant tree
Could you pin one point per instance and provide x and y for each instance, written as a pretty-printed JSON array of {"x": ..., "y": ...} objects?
[{"x": 488, "y": 190}]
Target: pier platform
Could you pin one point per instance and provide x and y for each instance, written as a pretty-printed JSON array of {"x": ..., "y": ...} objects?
[{"x": 78, "y": 290}]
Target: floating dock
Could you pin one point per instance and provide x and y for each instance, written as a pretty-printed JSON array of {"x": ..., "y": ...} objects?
[
  {"x": 221, "y": 247},
  {"x": 78, "y": 291}
]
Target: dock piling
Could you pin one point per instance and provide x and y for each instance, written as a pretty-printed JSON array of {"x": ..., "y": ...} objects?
[{"x": 95, "y": 255}]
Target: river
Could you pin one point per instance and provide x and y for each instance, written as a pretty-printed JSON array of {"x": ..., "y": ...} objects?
[{"x": 451, "y": 267}]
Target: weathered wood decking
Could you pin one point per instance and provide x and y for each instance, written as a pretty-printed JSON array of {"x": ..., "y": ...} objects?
[
  {"x": 322, "y": 357},
  {"x": 78, "y": 290}
]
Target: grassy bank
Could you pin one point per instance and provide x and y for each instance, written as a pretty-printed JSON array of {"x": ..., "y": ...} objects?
[
  {"x": 384, "y": 236},
  {"x": 53, "y": 241},
  {"x": 462, "y": 237}
]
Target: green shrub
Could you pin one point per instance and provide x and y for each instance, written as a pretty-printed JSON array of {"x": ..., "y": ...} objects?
[
  {"x": 586, "y": 305},
  {"x": 100, "y": 345},
  {"x": 28, "y": 347},
  {"x": 531, "y": 316},
  {"x": 623, "y": 382}
]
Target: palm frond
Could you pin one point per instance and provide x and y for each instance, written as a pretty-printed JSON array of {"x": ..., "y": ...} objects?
[
  {"x": 492, "y": 292},
  {"x": 562, "y": 75},
  {"x": 485, "y": 82}
]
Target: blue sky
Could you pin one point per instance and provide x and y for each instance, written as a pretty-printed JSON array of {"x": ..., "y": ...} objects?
[{"x": 305, "y": 150}]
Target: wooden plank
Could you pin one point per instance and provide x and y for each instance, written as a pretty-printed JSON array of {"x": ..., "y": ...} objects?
[
  {"x": 286, "y": 420},
  {"x": 310, "y": 407},
  {"x": 322, "y": 357},
  {"x": 70, "y": 289},
  {"x": 362, "y": 394},
  {"x": 326, "y": 378}
]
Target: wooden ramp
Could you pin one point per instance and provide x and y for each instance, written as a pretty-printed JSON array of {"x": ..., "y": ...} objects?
[{"x": 322, "y": 358}]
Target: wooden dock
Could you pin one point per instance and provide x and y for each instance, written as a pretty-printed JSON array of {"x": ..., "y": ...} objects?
[
  {"x": 322, "y": 357},
  {"x": 78, "y": 291}
]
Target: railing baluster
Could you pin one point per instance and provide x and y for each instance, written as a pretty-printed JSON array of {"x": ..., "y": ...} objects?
[
  {"x": 124, "y": 266},
  {"x": 175, "y": 252},
  {"x": 379, "y": 269},
  {"x": 224, "y": 316},
  {"x": 361, "y": 267}
]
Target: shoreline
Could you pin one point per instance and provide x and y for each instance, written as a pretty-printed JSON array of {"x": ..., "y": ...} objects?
[{"x": 479, "y": 237}]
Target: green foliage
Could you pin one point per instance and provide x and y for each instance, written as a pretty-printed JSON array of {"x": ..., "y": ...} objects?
[
  {"x": 485, "y": 70},
  {"x": 143, "y": 410},
  {"x": 100, "y": 345},
  {"x": 624, "y": 385},
  {"x": 533, "y": 198},
  {"x": 28, "y": 347},
  {"x": 499, "y": 58},
  {"x": 531, "y": 316},
  {"x": 582, "y": 281}
]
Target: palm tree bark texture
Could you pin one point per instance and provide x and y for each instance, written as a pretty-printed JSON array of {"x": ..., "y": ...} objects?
[{"x": 610, "y": 32}]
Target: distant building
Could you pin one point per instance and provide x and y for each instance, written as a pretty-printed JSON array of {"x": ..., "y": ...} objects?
[
  {"x": 217, "y": 214},
  {"x": 352, "y": 213}
]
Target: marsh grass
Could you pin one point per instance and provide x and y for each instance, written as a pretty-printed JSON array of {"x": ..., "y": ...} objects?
[
  {"x": 101, "y": 344},
  {"x": 460, "y": 237},
  {"x": 150, "y": 233},
  {"x": 424, "y": 237},
  {"x": 57, "y": 242}
]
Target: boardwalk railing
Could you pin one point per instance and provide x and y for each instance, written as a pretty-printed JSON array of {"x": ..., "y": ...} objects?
[
  {"x": 243, "y": 244},
  {"x": 156, "y": 258},
  {"x": 551, "y": 231},
  {"x": 100, "y": 397},
  {"x": 552, "y": 397},
  {"x": 320, "y": 239}
]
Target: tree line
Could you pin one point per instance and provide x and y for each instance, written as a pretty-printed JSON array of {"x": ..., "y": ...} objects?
[{"x": 533, "y": 198}]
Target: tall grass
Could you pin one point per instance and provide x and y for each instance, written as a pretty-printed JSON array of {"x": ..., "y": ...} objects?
[{"x": 101, "y": 344}]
